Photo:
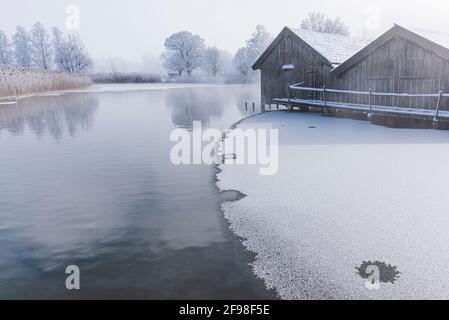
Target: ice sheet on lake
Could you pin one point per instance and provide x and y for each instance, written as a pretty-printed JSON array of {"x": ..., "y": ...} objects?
[
  {"x": 5, "y": 103},
  {"x": 346, "y": 192}
]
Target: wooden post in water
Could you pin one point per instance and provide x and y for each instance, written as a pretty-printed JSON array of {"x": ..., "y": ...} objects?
[
  {"x": 370, "y": 102},
  {"x": 437, "y": 113}
]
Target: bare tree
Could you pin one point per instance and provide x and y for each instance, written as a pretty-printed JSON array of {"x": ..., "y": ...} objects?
[
  {"x": 184, "y": 48},
  {"x": 217, "y": 62},
  {"x": 315, "y": 22},
  {"x": 336, "y": 26},
  {"x": 212, "y": 61},
  {"x": 70, "y": 54},
  {"x": 6, "y": 53},
  {"x": 318, "y": 22},
  {"x": 40, "y": 47},
  {"x": 61, "y": 58},
  {"x": 80, "y": 60},
  {"x": 21, "y": 41}
]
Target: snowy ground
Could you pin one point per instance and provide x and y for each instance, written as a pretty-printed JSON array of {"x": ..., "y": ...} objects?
[{"x": 346, "y": 192}]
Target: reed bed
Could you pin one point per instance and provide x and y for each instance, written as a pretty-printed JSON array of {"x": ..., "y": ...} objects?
[{"x": 17, "y": 81}]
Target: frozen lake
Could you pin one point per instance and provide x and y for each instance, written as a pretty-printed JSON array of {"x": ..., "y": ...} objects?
[
  {"x": 346, "y": 192},
  {"x": 86, "y": 179}
]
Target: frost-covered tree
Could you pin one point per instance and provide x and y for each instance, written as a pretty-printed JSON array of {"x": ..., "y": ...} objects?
[
  {"x": 336, "y": 26},
  {"x": 40, "y": 47},
  {"x": 79, "y": 60},
  {"x": 69, "y": 53},
  {"x": 183, "y": 48},
  {"x": 22, "y": 52},
  {"x": 315, "y": 21},
  {"x": 318, "y": 22},
  {"x": 173, "y": 62},
  {"x": 216, "y": 61},
  {"x": 242, "y": 63},
  {"x": 6, "y": 53},
  {"x": 255, "y": 46},
  {"x": 212, "y": 61}
]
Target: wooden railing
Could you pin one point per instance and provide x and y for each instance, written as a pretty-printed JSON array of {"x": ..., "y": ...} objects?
[{"x": 370, "y": 94}]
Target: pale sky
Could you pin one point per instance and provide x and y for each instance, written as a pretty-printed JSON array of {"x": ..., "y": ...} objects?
[{"x": 131, "y": 28}]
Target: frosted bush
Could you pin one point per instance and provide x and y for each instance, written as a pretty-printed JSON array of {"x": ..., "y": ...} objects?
[{"x": 16, "y": 81}]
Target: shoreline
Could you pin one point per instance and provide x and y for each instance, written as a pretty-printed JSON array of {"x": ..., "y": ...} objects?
[
  {"x": 48, "y": 93},
  {"x": 116, "y": 88},
  {"x": 246, "y": 256}
]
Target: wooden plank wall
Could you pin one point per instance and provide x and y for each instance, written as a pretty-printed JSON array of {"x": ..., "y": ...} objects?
[
  {"x": 310, "y": 68},
  {"x": 399, "y": 66}
]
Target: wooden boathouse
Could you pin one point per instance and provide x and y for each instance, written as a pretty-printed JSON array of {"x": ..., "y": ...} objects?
[{"x": 404, "y": 73}]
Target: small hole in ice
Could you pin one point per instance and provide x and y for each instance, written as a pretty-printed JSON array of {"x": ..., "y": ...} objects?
[{"x": 231, "y": 156}]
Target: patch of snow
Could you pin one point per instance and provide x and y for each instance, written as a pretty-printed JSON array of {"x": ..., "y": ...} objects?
[
  {"x": 50, "y": 94},
  {"x": 346, "y": 192},
  {"x": 288, "y": 67}
]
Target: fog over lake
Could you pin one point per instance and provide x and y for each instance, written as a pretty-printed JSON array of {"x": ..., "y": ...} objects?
[{"x": 86, "y": 179}]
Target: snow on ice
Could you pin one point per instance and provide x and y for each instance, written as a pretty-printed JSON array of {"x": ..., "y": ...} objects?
[{"x": 346, "y": 192}]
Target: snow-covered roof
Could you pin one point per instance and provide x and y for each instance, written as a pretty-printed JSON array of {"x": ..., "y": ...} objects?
[
  {"x": 437, "y": 37},
  {"x": 434, "y": 41},
  {"x": 335, "y": 48}
]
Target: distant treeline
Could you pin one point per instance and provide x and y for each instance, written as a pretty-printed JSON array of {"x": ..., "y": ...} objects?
[
  {"x": 125, "y": 77},
  {"x": 187, "y": 58}
]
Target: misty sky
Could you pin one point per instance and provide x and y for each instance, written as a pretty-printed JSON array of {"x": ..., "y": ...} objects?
[{"x": 131, "y": 28}]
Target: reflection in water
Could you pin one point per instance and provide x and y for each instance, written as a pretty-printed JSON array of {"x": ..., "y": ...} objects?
[
  {"x": 110, "y": 201},
  {"x": 52, "y": 114},
  {"x": 189, "y": 105}
]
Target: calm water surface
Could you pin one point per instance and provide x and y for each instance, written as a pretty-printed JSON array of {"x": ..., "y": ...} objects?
[{"x": 86, "y": 179}]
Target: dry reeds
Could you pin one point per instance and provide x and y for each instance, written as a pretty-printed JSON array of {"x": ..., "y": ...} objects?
[{"x": 17, "y": 81}]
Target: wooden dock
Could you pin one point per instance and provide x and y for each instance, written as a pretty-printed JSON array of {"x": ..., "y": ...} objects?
[{"x": 438, "y": 119}]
